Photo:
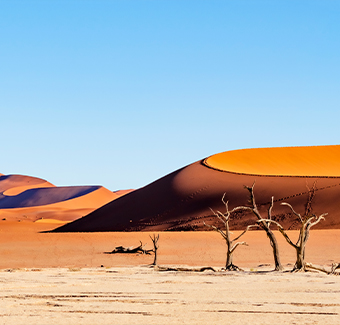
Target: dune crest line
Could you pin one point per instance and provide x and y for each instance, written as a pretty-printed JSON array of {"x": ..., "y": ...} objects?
[{"x": 313, "y": 161}]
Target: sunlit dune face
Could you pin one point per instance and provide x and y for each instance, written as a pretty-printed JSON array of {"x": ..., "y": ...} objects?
[
  {"x": 285, "y": 161},
  {"x": 51, "y": 221},
  {"x": 19, "y": 189},
  {"x": 11, "y": 185}
]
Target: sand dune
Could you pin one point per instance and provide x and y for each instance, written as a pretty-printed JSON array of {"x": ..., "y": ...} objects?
[
  {"x": 16, "y": 184},
  {"x": 285, "y": 161},
  {"x": 31, "y": 198},
  {"x": 45, "y": 196},
  {"x": 122, "y": 192},
  {"x": 182, "y": 199},
  {"x": 65, "y": 211}
]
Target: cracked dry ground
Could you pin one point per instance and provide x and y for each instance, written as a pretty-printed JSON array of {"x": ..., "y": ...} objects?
[{"x": 141, "y": 295}]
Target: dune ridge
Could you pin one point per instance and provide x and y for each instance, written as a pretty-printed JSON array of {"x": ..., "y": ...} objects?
[
  {"x": 317, "y": 161},
  {"x": 31, "y": 198},
  {"x": 16, "y": 184}
]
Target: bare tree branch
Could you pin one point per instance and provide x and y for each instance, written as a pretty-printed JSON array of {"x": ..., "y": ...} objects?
[
  {"x": 225, "y": 203},
  {"x": 237, "y": 244},
  {"x": 297, "y": 214},
  {"x": 241, "y": 208},
  {"x": 271, "y": 208},
  {"x": 216, "y": 229},
  {"x": 282, "y": 231},
  {"x": 319, "y": 219},
  {"x": 244, "y": 231}
]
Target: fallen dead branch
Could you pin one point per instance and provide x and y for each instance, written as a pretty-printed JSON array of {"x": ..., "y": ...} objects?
[
  {"x": 131, "y": 250},
  {"x": 309, "y": 266},
  {"x": 335, "y": 266},
  {"x": 185, "y": 269}
]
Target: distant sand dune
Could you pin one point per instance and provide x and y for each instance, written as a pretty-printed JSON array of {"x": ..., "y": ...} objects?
[
  {"x": 13, "y": 183},
  {"x": 45, "y": 196},
  {"x": 31, "y": 198}
]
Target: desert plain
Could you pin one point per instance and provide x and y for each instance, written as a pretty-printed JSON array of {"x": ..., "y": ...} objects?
[
  {"x": 66, "y": 278},
  {"x": 52, "y": 274}
]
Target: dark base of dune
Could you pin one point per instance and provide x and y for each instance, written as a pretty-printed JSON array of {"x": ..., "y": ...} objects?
[{"x": 182, "y": 201}]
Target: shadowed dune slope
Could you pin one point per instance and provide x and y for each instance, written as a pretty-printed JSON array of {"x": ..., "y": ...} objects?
[
  {"x": 181, "y": 201},
  {"x": 44, "y": 196},
  {"x": 31, "y": 198}
]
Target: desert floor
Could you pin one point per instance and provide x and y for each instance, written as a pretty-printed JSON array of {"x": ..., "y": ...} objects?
[{"x": 66, "y": 278}]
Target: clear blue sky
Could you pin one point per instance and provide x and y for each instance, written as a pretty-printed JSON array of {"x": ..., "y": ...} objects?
[{"x": 120, "y": 93}]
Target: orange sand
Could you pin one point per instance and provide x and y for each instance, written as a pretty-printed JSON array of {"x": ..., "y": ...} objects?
[
  {"x": 22, "y": 245},
  {"x": 287, "y": 161}
]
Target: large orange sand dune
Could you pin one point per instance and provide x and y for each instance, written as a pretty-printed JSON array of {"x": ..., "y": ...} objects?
[{"x": 182, "y": 199}]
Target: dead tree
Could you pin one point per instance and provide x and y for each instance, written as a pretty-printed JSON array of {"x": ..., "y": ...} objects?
[
  {"x": 264, "y": 223},
  {"x": 155, "y": 247},
  {"x": 308, "y": 220},
  {"x": 231, "y": 246}
]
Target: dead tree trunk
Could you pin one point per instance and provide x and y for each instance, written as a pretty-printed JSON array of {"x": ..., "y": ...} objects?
[
  {"x": 308, "y": 220},
  {"x": 300, "y": 246},
  {"x": 155, "y": 247},
  {"x": 264, "y": 224},
  {"x": 224, "y": 218}
]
